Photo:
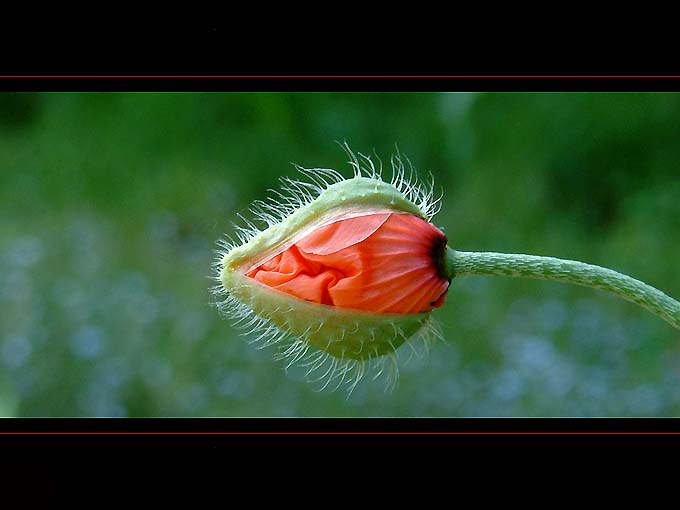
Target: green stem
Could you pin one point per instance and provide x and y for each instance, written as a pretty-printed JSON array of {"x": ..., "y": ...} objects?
[{"x": 459, "y": 263}]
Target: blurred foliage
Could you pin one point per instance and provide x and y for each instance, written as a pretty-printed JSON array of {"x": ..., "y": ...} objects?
[{"x": 110, "y": 205}]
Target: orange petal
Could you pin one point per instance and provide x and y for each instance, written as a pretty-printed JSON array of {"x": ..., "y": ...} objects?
[
  {"x": 383, "y": 263},
  {"x": 341, "y": 234}
]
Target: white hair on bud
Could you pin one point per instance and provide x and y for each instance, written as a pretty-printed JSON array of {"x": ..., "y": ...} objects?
[
  {"x": 295, "y": 194},
  {"x": 318, "y": 365}
]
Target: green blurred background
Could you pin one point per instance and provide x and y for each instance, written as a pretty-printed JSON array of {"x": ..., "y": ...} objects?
[{"x": 111, "y": 203}]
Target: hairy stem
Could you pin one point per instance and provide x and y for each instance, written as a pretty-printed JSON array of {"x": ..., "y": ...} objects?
[{"x": 461, "y": 263}]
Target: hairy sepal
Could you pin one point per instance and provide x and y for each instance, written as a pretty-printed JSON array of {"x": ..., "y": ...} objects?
[
  {"x": 353, "y": 197},
  {"x": 342, "y": 333}
]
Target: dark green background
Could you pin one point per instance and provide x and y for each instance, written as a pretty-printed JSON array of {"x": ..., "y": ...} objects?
[{"x": 110, "y": 205}]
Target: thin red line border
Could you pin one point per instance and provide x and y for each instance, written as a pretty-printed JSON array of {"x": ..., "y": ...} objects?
[
  {"x": 339, "y": 433},
  {"x": 370, "y": 77}
]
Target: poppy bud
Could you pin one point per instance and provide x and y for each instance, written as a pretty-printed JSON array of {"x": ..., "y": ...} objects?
[{"x": 346, "y": 271}]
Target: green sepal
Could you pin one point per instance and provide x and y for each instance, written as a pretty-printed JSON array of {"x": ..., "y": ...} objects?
[
  {"x": 358, "y": 195},
  {"x": 342, "y": 333}
]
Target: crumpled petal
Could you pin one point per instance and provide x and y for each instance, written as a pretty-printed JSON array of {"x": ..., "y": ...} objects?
[{"x": 381, "y": 263}]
